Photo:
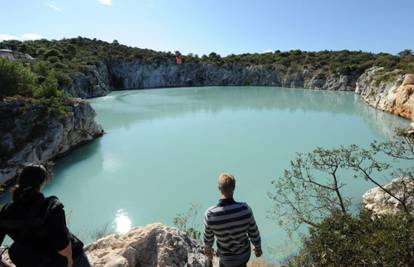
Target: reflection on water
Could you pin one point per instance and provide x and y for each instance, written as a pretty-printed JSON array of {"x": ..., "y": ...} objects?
[
  {"x": 169, "y": 103},
  {"x": 165, "y": 148},
  {"x": 122, "y": 223}
]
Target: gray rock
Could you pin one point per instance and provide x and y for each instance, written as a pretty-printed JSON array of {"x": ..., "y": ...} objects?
[
  {"x": 14, "y": 55},
  {"x": 388, "y": 91},
  {"x": 148, "y": 246},
  {"x": 30, "y": 133},
  {"x": 122, "y": 74},
  {"x": 380, "y": 203}
]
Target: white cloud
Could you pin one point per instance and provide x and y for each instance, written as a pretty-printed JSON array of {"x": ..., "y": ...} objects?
[
  {"x": 23, "y": 37},
  {"x": 4, "y": 37},
  {"x": 52, "y": 5},
  {"x": 31, "y": 36},
  {"x": 105, "y": 2}
]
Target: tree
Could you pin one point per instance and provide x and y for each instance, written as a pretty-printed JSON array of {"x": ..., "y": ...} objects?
[
  {"x": 214, "y": 57},
  {"x": 15, "y": 78},
  {"x": 312, "y": 189},
  {"x": 53, "y": 53},
  {"x": 405, "y": 52},
  {"x": 310, "y": 193},
  {"x": 49, "y": 88}
]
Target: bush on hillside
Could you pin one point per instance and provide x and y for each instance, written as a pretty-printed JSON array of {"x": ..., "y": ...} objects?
[
  {"x": 78, "y": 52},
  {"x": 15, "y": 78},
  {"x": 359, "y": 241},
  {"x": 311, "y": 192},
  {"x": 49, "y": 88}
]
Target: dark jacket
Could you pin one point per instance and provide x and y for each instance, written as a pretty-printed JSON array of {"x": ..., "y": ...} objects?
[{"x": 38, "y": 228}]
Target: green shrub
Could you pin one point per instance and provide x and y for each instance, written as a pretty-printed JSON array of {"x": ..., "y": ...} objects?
[
  {"x": 49, "y": 88},
  {"x": 63, "y": 79},
  {"x": 41, "y": 68},
  {"x": 53, "y": 53},
  {"x": 54, "y": 106},
  {"x": 359, "y": 241},
  {"x": 53, "y": 59},
  {"x": 15, "y": 78},
  {"x": 187, "y": 222}
]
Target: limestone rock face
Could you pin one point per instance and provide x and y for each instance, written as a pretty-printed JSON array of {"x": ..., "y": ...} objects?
[
  {"x": 14, "y": 55},
  {"x": 389, "y": 91},
  {"x": 91, "y": 83},
  {"x": 148, "y": 246},
  {"x": 137, "y": 74},
  {"x": 30, "y": 133},
  {"x": 381, "y": 203}
]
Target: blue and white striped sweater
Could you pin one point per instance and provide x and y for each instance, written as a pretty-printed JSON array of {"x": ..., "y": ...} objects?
[{"x": 232, "y": 224}]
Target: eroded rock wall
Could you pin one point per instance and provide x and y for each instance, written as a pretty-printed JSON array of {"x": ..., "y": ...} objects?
[
  {"x": 31, "y": 132},
  {"x": 388, "y": 91},
  {"x": 136, "y": 74}
]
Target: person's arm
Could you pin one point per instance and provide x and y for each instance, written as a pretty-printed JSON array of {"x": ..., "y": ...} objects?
[
  {"x": 254, "y": 235},
  {"x": 2, "y": 236},
  {"x": 208, "y": 238},
  {"x": 5, "y": 264},
  {"x": 2, "y": 262},
  {"x": 67, "y": 253},
  {"x": 59, "y": 234}
]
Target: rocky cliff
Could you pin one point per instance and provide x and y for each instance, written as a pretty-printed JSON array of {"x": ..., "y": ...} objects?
[
  {"x": 388, "y": 91},
  {"x": 153, "y": 245},
  {"x": 35, "y": 131},
  {"x": 148, "y": 246},
  {"x": 136, "y": 74}
]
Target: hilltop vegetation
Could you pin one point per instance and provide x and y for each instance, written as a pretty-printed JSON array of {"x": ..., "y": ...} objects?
[
  {"x": 73, "y": 54},
  {"x": 82, "y": 67},
  {"x": 60, "y": 58}
]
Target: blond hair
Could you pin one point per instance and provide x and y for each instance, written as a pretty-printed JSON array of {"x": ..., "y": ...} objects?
[{"x": 227, "y": 183}]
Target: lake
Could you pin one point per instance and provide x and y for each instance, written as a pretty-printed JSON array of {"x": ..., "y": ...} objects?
[{"x": 164, "y": 149}]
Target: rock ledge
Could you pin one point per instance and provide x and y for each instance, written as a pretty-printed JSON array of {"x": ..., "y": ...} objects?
[
  {"x": 151, "y": 245},
  {"x": 380, "y": 203}
]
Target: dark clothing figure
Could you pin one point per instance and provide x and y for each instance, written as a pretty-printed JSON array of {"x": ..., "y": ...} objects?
[{"x": 38, "y": 228}]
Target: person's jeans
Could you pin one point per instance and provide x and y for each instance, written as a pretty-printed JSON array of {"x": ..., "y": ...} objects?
[{"x": 81, "y": 261}]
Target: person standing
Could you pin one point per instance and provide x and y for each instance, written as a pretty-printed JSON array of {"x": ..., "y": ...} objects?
[
  {"x": 37, "y": 225},
  {"x": 233, "y": 225}
]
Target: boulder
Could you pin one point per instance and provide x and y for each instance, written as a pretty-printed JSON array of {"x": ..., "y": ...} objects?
[
  {"x": 380, "y": 203},
  {"x": 148, "y": 246}
]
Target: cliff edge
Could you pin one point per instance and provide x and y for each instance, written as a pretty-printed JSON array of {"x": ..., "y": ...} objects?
[
  {"x": 35, "y": 131},
  {"x": 147, "y": 246},
  {"x": 388, "y": 91}
]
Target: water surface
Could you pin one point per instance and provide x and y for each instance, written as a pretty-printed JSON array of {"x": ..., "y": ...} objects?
[{"x": 164, "y": 149}]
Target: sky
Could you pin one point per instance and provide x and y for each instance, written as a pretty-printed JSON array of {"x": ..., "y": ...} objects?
[{"x": 222, "y": 26}]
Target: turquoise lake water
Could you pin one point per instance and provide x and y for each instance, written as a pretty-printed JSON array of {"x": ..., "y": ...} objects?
[{"x": 164, "y": 148}]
